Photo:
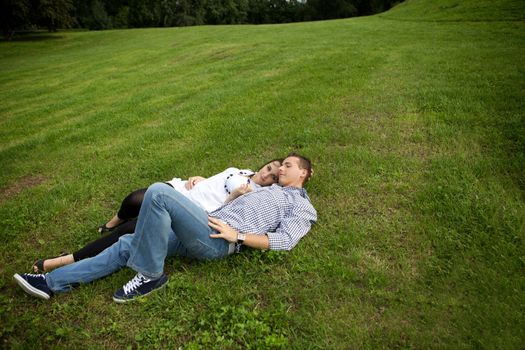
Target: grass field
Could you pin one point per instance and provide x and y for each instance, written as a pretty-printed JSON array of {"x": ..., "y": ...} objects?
[{"x": 415, "y": 121}]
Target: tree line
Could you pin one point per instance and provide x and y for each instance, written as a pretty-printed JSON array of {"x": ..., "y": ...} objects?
[{"x": 109, "y": 14}]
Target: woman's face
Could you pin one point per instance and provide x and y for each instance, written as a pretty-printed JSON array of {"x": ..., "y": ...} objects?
[{"x": 268, "y": 174}]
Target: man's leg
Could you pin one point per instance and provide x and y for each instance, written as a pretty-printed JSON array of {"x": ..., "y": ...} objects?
[
  {"x": 163, "y": 213},
  {"x": 168, "y": 223}
]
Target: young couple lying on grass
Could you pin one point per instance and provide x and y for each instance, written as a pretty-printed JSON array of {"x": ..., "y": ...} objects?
[{"x": 200, "y": 218}]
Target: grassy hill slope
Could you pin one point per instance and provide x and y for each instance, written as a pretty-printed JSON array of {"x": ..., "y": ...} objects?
[
  {"x": 417, "y": 133},
  {"x": 456, "y": 10}
]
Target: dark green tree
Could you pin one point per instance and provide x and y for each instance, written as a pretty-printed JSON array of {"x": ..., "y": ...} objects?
[
  {"x": 25, "y": 14},
  {"x": 53, "y": 14},
  {"x": 225, "y": 11},
  {"x": 275, "y": 11},
  {"x": 144, "y": 13},
  {"x": 181, "y": 12},
  {"x": 258, "y": 11},
  {"x": 121, "y": 18},
  {"x": 99, "y": 16},
  {"x": 14, "y": 15},
  {"x": 92, "y": 14},
  {"x": 330, "y": 9},
  {"x": 106, "y": 14},
  {"x": 282, "y": 11}
]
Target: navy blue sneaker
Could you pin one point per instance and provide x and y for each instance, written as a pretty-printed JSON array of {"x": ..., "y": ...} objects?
[
  {"x": 34, "y": 284},
  {"x": 138, "y": 286}
]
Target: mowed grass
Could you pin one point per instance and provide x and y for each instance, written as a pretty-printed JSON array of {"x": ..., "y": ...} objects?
[{"x": 416, "y": 128}]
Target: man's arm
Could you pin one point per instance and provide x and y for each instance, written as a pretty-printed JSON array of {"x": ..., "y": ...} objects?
[
  {"x": 230, "y": 234},
  {"x": 292, "y": 228},
  {"x": 256, "y": 241}
]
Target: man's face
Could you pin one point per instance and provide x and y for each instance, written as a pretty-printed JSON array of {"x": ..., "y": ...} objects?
[{"x": 290, "y": 174}]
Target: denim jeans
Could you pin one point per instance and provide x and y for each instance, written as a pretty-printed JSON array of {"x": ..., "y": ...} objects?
[{"x": 168, "y": 224}]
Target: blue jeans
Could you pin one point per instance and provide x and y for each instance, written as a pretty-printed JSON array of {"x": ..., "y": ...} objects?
[{"x": 168, "y": 224}]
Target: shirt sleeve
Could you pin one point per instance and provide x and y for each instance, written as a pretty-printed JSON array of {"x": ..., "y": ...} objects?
[{"x": 292, "y": 228}]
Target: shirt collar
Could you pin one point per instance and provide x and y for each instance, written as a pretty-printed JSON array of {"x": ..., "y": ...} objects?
[{"x": 301, "y": 191}]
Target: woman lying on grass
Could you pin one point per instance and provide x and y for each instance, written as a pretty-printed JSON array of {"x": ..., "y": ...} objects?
[{"x": 209, "y": 194}]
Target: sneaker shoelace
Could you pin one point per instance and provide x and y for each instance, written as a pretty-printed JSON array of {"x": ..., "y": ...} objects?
[
  {"x": 37, "y": 275},
  {"x": 136, "y": 282}
]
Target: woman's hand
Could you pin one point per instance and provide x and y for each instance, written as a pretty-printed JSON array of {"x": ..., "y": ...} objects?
[
  {"x": 239, "y": 191},
  {"x": 225, "y": 231},
  {"x": 242, "y": 189},
  {"x": 192, "y": 181}
]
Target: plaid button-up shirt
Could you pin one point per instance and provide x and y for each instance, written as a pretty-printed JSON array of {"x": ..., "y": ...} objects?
[{"x": 284, "y": 214}]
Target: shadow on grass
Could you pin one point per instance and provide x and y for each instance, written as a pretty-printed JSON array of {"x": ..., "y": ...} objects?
[
  {"x": 513, "y": 130},
  {"x": 31, "y": 36}
]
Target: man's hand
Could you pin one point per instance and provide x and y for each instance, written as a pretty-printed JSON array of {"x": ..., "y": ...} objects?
[
  {"x": 229, "y": 234},
  {"x": 192, "y": 181},
  {"x": 225, "y": 231}
]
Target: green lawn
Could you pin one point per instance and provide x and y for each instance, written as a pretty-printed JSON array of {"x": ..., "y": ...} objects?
[{"x": 415, "y": 122}]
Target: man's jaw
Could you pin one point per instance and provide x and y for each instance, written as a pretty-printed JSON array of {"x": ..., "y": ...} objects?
[{"x": 282, "y": 178}]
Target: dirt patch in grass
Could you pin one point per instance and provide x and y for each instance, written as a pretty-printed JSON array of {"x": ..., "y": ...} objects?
[{"x": 19, "y": 185}]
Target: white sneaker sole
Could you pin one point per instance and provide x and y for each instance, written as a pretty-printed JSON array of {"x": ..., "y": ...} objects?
[{"x": 29, "y": 288}]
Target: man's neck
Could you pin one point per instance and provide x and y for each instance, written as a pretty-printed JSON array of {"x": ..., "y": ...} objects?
[{"x": 294, "y": 186}]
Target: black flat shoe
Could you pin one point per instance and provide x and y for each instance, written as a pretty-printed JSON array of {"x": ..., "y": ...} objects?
[
  {"x": 103, "y": 229},
  {"x": 39, "y": 264}
]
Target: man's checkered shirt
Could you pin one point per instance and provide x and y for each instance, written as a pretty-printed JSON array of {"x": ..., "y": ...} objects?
[{"x": 284, "y": 214}]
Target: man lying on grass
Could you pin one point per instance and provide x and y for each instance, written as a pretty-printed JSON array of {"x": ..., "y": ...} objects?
[{"x": 274, "y": 218}]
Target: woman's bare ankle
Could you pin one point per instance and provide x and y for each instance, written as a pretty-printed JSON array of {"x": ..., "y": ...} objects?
[
  {"x": 50, "y": 264},
  {"x": 114, "y": 222}
]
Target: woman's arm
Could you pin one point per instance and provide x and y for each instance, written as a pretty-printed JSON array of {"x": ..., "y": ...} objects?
[
  {"x": 192, "y": 181},
  {"x": 239, "y": 191}
]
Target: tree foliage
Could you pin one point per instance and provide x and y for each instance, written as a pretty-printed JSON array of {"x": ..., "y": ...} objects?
[
  {"x": 108, "y": 14},
  {"x": 14, "y": 15},
  {"x": 53, "y": 14}
]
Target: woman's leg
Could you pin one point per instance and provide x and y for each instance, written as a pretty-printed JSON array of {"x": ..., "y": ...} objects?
[
  {"x": 129, "y": 208},
  {"x": 98, "y": 245},
  {"x": 91, "y": 249},
  {"x": 53, "y": 263},
  {"x": 87, "y": 270}
]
